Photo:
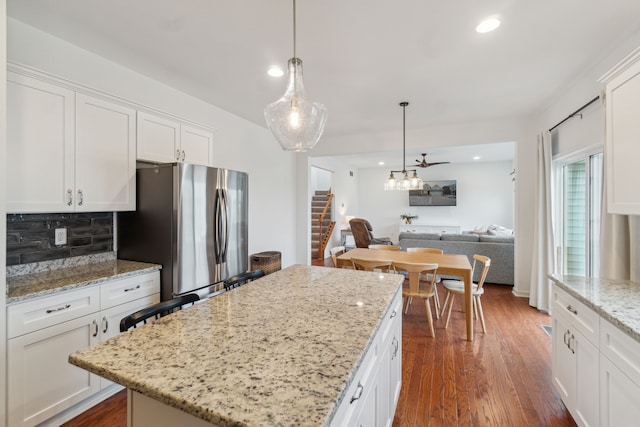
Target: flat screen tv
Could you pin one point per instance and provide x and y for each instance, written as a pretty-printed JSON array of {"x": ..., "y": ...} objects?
[{"x": 434, "y": 193}]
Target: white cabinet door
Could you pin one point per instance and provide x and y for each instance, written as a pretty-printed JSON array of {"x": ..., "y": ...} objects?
[
  {"x": 622, "y": 148},
  {"x": 40, "y": 146},
  {"x": 197, "y": 145},
  {"x": 158, "y": 139},
  {"x": 575, "y": 368},
  {"x": 41, "y": 382},
  {"x": 619, "y": 401},
  {"x": 105, "y": 155},
  {"x": 563, "y": 363}
]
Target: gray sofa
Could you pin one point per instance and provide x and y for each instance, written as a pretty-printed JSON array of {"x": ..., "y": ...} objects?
[{"x": 498, "y": 248}]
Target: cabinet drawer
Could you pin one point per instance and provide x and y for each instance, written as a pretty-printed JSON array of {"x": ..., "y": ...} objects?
[
  {"x": 121, "y": 291},
  {"x": 581, "y": 317},
  {"x": 51, "y": 310},
  {"x": 621, "y": 349},
  {"x": 392, "y": 317}
]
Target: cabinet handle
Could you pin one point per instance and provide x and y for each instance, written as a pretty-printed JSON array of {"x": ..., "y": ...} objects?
[
  {"x": 569, "y": 345},
  {"x": 80, "y": 198},
  {"x": 105, "y": 324},
  {"x": 178, "y": 155},
  {"x": 358, "y": 394},
  {"x": 393, "y": 314},
  {"x": 396, "y": 346},
  {"x": 571, "y": 309},
  {"x": 566, "y": 336},
  {"x": 183, "y": 155},
  {"x": 69, "y": 197},
  {"x": 95, "y": 325},
  {"x": 132, "y": 289},
  {"x": 53, "y": 310}
]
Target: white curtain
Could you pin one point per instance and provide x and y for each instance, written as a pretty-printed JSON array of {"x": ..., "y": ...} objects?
[
  {"x": 615, "y": 236},
  {"x": 542, "y": 262}
]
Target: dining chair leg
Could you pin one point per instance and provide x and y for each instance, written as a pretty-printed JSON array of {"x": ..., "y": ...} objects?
[
  {"x": 481, "y": 314},
  {"x": 436, "y": 308},
  {"x": 429, "y": 317},
  {"x": 436, "y": 299},
  {"x": 446, "y": 323},
  {"x": 475, "y": 308},
  {"x": 406, "y": 309},
  {"x": 446, "y": 300}
]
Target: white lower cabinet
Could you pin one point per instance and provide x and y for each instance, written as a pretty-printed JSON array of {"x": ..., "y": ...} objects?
[
  {"x": 619, "y": 377},
  {"x": 373, "y": 395},
  {"x": 575, "y": 372},
  {"x": 44, "y": 331},
  {"x": 595, "y": 366}
]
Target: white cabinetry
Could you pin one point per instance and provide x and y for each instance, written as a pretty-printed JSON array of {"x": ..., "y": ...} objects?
[
  {"x": 67, "y": 151},
  {"x": 44, "y": 331},
  {"x": 619, "y": 377},
  {"x": 163, "y": 139},
  {"x": 426, "y": 228},
  {"x": 575, "y": 363},
  {"x": 622, "y": 147},
  {"x": 373, "y": 394}
]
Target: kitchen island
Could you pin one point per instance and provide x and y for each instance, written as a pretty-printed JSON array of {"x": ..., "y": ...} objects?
[{"x": 302, "y": 346}]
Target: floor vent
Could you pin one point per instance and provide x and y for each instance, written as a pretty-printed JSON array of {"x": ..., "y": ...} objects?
[{"x": 547, "y": 329}]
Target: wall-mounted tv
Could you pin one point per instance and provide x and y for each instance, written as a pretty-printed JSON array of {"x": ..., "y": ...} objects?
[{"x": 434, "y": 193}]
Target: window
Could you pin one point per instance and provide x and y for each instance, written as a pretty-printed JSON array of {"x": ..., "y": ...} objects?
[{"x": 578, "y": 204}]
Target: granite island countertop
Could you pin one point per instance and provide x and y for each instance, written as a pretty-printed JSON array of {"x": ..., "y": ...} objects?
[
  {"x": 33, "y": 285},
  {"x": 617, "y": 301},
  {"x": 281, "y": 350}
]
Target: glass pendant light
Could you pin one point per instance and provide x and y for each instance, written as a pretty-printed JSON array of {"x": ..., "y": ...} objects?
[
  {"x": 406, "y": 183},
  {"x": 294, "y": 120}
]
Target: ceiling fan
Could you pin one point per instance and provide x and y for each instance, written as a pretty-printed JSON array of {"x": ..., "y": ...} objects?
[{"x": 424, "y": 164}]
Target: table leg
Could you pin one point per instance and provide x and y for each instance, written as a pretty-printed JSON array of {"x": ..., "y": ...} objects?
[{"x": 468, "y": 304}]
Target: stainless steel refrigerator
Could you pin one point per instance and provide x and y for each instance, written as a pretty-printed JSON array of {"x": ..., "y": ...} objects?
[{"x": 192, "y": 219}]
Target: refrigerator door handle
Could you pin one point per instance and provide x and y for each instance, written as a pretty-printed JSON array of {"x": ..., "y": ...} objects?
[{"x": 225, "y": 226}]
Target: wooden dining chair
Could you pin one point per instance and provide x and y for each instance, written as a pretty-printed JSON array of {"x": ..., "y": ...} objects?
[
  {"x": 371, "y": 265},
  {"x": 157, "y": 310},
  {"x": 427, "y": 277},
  {"x": 386, "y": 247},
  {"x": 454, "y": 287},
  {"x": 335, "y": 252},
  {"x": 419, "y": 288}
]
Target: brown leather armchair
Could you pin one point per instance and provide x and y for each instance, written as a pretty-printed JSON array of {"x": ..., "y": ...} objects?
[{"x": 363, "y": 236}]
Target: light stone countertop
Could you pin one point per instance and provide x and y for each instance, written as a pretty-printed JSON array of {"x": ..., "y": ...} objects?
[
  {"x": 33, "y": 285},
  {"x": 617, "y": 301},
  {"x": 281, "y": 350}
]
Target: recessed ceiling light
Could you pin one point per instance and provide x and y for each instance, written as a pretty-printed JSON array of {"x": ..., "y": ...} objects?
[
  {"x": 381, "y": 163},
  {"x": 275, "y": 71},
  {"x": 488, "y": 24},
  {"x": 476, "y": 157}
]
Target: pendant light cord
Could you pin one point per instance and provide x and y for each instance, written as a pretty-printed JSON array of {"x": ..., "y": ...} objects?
[{"x": 294, "y": 28}]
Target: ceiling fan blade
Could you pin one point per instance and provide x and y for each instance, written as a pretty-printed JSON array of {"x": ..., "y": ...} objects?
[{"x": 436, "y": 163}]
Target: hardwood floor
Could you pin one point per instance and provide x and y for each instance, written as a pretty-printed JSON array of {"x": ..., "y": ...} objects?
[{"x": 502, "y": 378}]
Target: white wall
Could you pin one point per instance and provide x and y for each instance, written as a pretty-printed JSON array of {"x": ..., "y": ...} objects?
[
  {"x": 239, "y": 144},
  {"x": 485, "y": 196}
]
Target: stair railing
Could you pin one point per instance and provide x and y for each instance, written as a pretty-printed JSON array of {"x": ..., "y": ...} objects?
[{"x": 322, "y": 239}]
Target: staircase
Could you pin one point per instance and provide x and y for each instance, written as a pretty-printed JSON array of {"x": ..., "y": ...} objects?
[{"x": 322, "y": 224}]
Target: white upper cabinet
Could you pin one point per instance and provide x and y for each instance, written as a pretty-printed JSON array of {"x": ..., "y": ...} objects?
[
  {"x": 40, "y": 145},
  {"x": 164, "y": 140},
  {"x": 622, "y": 148},
  {"x": 158, "y": 138},
  {"x": 67, "y": 151},
  {"x": 105, "y": 155}
]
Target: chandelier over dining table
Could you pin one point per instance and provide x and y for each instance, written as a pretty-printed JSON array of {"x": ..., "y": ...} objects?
[{"x": 405, "y": 182}]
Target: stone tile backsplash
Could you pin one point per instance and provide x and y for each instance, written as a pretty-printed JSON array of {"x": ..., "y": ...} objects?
[{"x": 31, "y": 237}]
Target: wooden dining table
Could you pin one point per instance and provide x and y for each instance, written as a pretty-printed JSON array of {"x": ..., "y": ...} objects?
[{"x": 448, "y": 264}]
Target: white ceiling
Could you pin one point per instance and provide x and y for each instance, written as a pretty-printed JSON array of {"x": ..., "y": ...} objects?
[{"x": 361, "y": 57}]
